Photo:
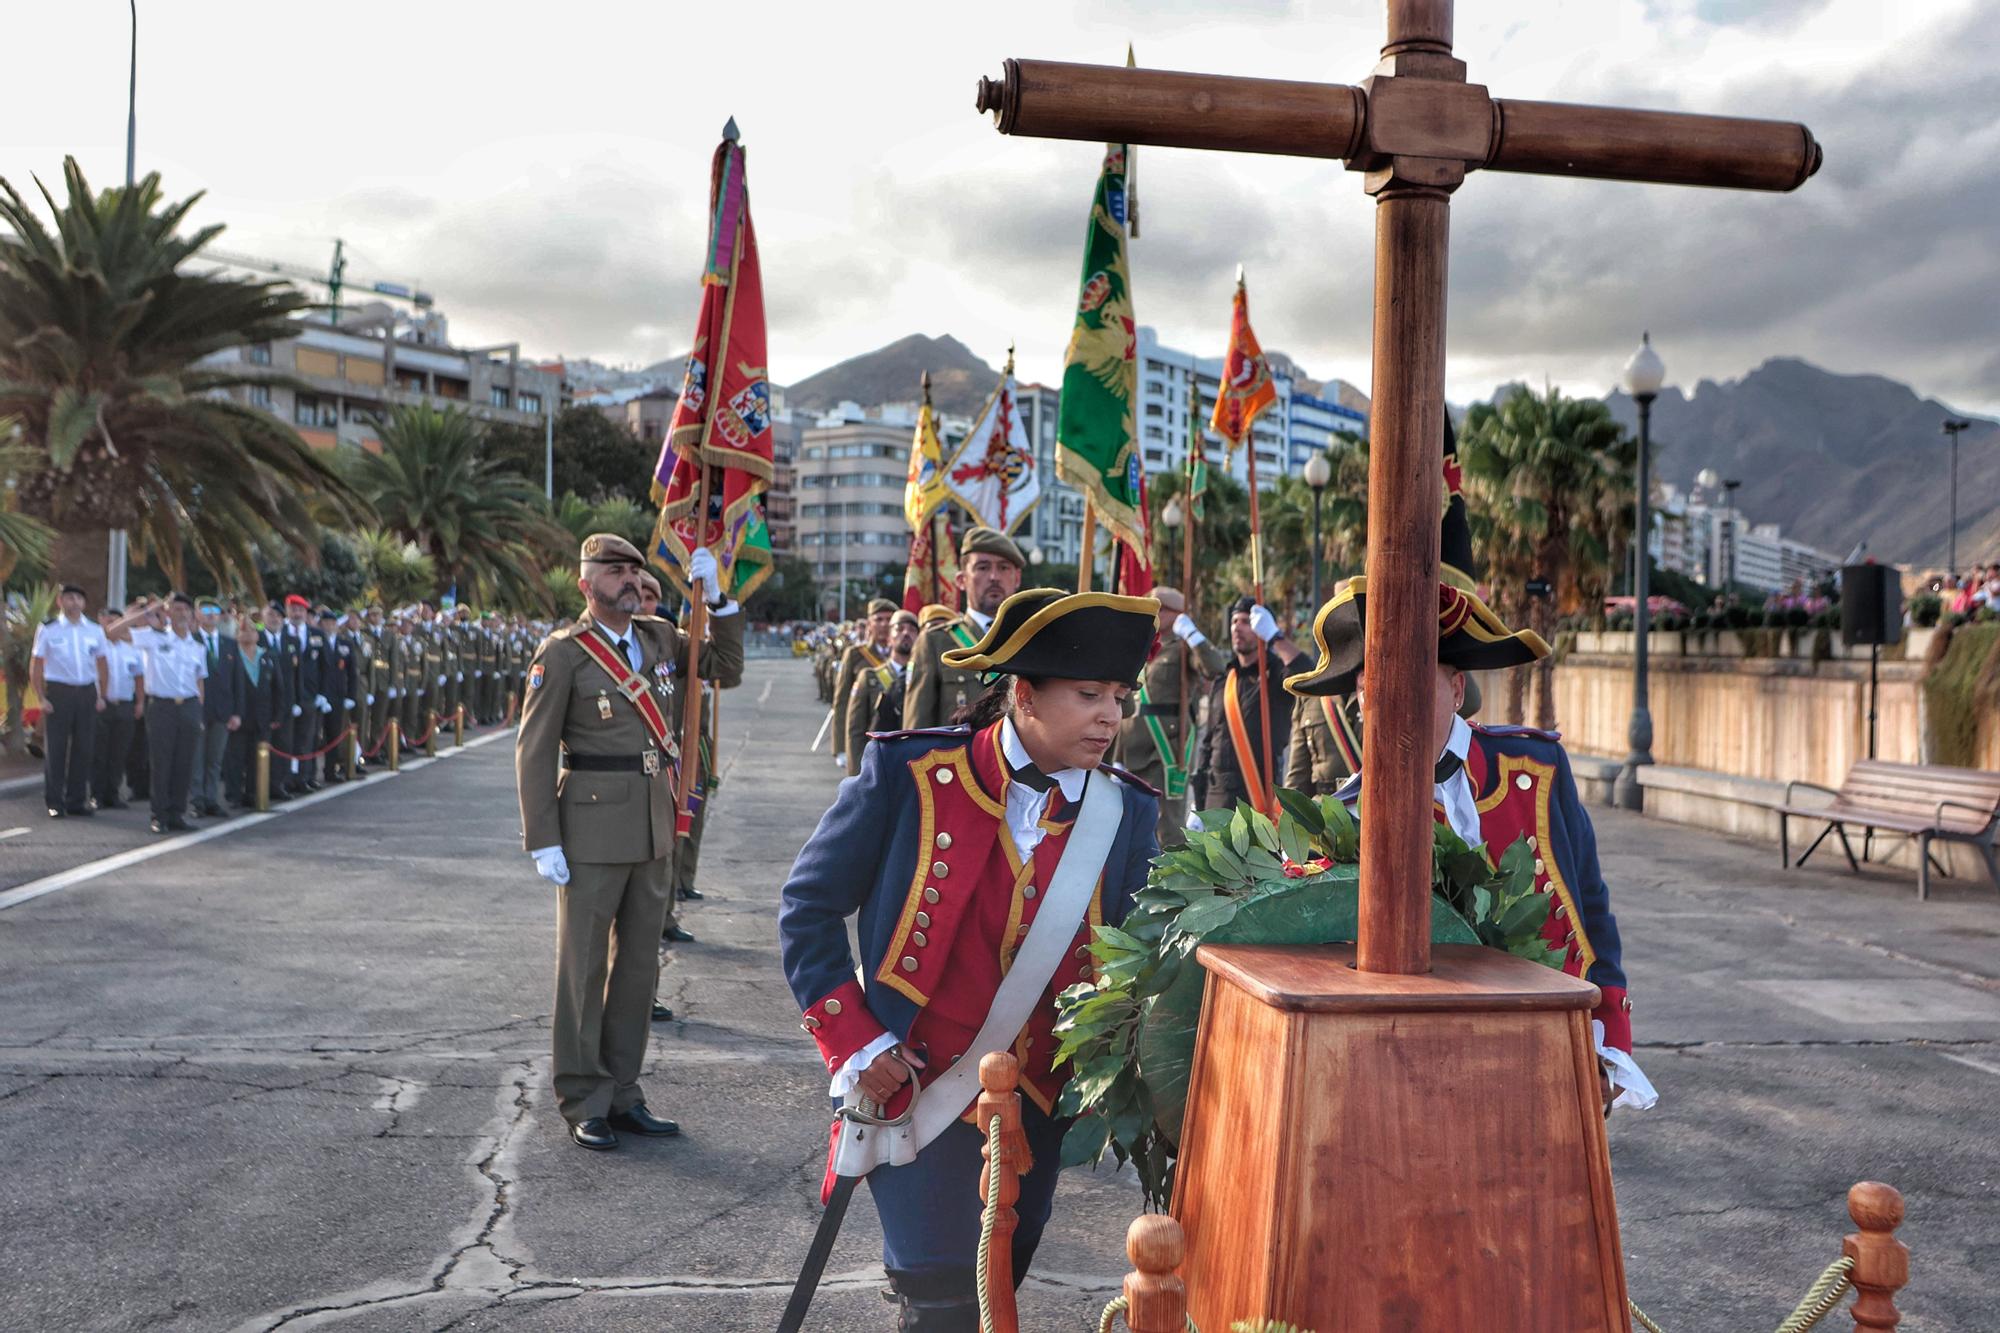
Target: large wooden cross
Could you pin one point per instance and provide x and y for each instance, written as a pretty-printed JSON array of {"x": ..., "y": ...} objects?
[{"x": 1414, "y": 128}]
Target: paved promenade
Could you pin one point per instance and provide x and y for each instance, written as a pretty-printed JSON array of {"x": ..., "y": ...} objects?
[{"x": 294, "y": 1074}]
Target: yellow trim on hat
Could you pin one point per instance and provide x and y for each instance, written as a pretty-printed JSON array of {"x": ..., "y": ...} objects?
[
  {"x": 1467, "y": 613},
  {"x": 982, "y": 656}
]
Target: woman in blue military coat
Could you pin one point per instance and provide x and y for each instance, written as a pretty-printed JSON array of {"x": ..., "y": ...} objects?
[{"x": 946, "y": 847}]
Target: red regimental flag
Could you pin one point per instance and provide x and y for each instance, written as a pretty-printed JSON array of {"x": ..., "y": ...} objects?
[
  {"x": 1247, "y": 388},
  {"x": 723, "y": 417}
]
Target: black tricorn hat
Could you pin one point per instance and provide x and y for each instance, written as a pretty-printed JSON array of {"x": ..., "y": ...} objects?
[
  {"x": 1042, "y": 632},
  {"x": 1470, "y": 637}
]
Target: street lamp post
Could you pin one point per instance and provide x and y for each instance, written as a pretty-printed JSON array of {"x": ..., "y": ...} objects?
[
  {"x": 1952, "y": 426},
  {"x": 118, "y": 556},
  {"x": 1318, "y": 473},
  {"x": 1644, "y": 374}
]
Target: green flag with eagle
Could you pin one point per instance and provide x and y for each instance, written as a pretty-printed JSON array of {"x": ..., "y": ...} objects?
[{"x": 1096, "y": 442}]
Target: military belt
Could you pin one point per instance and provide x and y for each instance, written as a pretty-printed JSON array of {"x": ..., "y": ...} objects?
[{"x": 648, "y": 762}]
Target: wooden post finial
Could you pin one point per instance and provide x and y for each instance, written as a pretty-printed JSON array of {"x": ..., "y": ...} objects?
[
  {"x": 1881, "y": 1262},
  {"x": 1006, "y": 1152},
  {"x": 1155, "y": 1296}
]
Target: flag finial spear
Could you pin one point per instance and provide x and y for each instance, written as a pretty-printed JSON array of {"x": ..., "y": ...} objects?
[
  {"x": 927, "y": 388},
  {"x": 1010, "y": 360},
  {"x": 729, "y": 131},
  {"x": 1239, "y": 273}
]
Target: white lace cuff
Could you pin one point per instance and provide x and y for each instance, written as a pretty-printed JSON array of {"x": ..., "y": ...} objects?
[
  {"x": 1634, "y": 1088},
  {"x": 848, "y": 1075}
]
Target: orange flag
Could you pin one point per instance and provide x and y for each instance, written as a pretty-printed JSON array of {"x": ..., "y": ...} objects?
[{"x": 1247, "y": 388}]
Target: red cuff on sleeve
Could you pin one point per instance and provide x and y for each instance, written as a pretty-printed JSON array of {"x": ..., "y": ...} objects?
[
  {"x": 1614, "y": 1010},
  {"x": 841, "y": 1024}
]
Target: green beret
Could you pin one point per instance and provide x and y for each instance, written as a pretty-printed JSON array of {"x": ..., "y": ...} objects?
[{"x": 986, "y": 541}]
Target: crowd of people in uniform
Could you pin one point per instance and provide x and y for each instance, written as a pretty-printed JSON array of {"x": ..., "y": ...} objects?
[{"x": 168, "y": 700}]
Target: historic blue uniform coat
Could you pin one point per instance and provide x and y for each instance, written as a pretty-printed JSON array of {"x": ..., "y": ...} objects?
[
  {"x": 1523, "y": 787},
  {"x": 917, "y": 844}
]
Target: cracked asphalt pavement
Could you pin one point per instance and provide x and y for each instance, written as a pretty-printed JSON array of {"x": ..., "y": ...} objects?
[{"x": 296, "y": 1076}]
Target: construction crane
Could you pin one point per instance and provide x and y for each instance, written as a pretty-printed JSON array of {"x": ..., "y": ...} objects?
[{"x": 334, "y": 280}]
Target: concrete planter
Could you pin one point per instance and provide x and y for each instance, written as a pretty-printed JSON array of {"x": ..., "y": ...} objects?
[
  {"x": 1665, "y": 642},
  {"x": 1917, "y": 643}
]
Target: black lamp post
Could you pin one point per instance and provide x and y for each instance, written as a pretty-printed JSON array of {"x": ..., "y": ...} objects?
[
  {"x": 1644, "y": 374},
  {"x": 1952, "y": 426},
  {"x": 1318, "y": 473}
]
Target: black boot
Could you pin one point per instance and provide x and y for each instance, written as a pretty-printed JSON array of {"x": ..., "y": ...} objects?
[{"x": 937, "y": 1301}]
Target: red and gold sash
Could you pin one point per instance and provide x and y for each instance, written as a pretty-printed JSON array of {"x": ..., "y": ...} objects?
[
  {"x": 1246, "y": 754},
  {"x": 1348, "y": 742},
  {"x": 630, "y": 685}
]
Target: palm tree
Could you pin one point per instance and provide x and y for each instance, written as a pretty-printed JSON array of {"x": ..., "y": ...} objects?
[
  {"x": 22, "y": 536},
  {"x": 487, "y": 530},
  {"x": 398, "y": 573},
  {"x": 105, "y": 358},
  {"x": 1548, "y": 472}
]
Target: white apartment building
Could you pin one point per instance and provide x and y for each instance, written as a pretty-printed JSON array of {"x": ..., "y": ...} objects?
[{"x": 1718, "y": 545}]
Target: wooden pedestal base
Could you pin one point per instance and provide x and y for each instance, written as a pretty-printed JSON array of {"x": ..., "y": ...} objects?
[{"x": 1366, "y": 1151}]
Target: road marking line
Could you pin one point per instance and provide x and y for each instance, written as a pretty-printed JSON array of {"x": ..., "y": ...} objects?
[
  {"x": 12, "y": 832},
  {"x": 36, "y": 888},
  {"x": 1971, "y": 1063}
]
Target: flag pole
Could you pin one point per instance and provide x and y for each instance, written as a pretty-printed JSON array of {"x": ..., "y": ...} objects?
[
  {"x": 1087, "y": 556},
  {"x": 1257, "y": 585},
  {"x": 1187, "y": 545}
]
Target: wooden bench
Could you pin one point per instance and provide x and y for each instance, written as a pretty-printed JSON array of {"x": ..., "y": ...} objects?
[{"x": 1926, "y": 802}]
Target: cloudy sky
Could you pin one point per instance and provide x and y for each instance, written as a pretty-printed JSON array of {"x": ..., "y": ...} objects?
[{"x": 543, "y": 170}]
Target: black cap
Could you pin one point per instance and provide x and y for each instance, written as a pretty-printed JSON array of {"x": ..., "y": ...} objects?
[
  {"x": 75, "y": 588},
  {"x": 1044, "y": 632}
]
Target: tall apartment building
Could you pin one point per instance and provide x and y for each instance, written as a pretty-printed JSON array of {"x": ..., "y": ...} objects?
[
  {"x": 851, "y": 467},
  {"x": 343, "y": 378},
  {"x": 1718, "y": 545},
  {"x": 781, "y": 501}
]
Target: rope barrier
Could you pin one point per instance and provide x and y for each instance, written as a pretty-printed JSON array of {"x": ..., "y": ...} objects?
[
  {"x": 380, "y": 741},
  {"x": 1821, "y": 1299},
  {"x": 1119, "y": 1304},
  {"x": 316, "y": 754},
  {"x": 418, "y": 742},
  {"x": 988, "y": 1217}
]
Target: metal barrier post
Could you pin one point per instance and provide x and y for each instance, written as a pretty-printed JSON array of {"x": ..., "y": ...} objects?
[
  {"x": 263, "y": 776},
  {"x": 395, "y": 744}
]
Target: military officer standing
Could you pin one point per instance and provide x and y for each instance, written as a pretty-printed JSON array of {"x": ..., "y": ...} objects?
[
  {"x": 1152, "y": 744},
  {"x": 871, "y": 654},
  {"x": 1230, "y": 765},
  {"x": 874, "y": 686},
  {"x": 593, "y": 761},
  {"x": 989, "y": 572}
]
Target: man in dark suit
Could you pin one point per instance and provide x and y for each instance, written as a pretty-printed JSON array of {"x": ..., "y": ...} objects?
[
  {"x": 302, "y": 657},
  {"x": 341, "y": 684},
  {"x": 221, "y": 709}
]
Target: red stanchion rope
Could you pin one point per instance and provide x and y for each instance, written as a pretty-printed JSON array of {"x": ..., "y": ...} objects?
[
  {"x": 380, "y": 741},
  {"x": 345, "y": 732},
  {"x": 429, "y": 731}
]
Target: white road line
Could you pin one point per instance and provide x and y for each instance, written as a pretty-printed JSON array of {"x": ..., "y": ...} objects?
[
  {"x": 1971, "y": 1063},
  {"x": 36, "y": 888},
  {"x": 12, "y": 832},
  {"x": 19, "y": 784}
]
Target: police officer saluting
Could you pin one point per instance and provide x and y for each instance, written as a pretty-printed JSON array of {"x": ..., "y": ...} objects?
[{"x": 592, "y": 759}]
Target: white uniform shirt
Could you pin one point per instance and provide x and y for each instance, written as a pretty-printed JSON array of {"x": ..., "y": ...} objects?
[
  {"x": 127, "y": 664},
  {"x": 174, "y": 663},
  {"x": 69, "y": 650},
  {"x": 1455, "y": 792}
]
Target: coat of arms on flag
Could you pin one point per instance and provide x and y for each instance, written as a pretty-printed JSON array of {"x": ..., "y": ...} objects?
[{"x": 993, "y": 473}]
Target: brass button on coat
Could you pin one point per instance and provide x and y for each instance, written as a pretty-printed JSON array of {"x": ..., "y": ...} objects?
[
  {"x": 930, "y": 895},
  {"x": 944, "y": 842},
  {"x": 917, "y": 938},
  {"x": 940, "y": 869},
  {"x": 924, "y": 919},
  {"x": 1029, "y": 891},
  {"x": 833, "y": 1008},
  {"x": 1083, "y": 951},
  {"x": 909, "y": 963},
  {"x": 944, "y": 776}
]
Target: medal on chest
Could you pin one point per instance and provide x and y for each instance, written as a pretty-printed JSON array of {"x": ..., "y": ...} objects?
[{"x": 604, "y": 705}]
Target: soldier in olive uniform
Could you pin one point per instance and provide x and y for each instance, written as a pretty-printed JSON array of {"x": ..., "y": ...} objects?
[
  {"x": 989, "y": 572},
  {"x": 873, "y": 686},
  {"x": 598, "y": 817},
  {"x": 868, "y": 655},
  {"x": 366, "y": 685},
  {"x": 1151, "y": 742}
]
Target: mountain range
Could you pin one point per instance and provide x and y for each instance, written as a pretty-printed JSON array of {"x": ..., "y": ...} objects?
[
  {"x": 1834, "y": 460},
  {"x": 960, "y": 381}
]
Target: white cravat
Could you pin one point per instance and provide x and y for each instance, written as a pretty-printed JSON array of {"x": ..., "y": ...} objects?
[
  {"x": 1455, "y": 792},
  {"x": 1025, "y": 805}
]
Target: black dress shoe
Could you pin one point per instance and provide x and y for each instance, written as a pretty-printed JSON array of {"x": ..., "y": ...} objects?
[
  {"x": 593, "y": 1134},
  {"x": 677, "y": 935},
  {"x": 661, "y": 1013},
  {"x": 691, "y": 894},
  {"x": 111, "y": 805},
  {"x": 160, "y": 826},
  {"x": 214, "y": 810},
  {"x": 636, "y": 1119},
  {"x": 178, "y": 825}
]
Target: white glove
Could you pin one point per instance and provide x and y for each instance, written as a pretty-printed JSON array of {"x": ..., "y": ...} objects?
[
  {"x": 840, "y": 761},
  {"x": 1194, "y": 821},
  {"x": 551, "y": 864},
  {"x": 1185, "y": 630},
  {"x": 371, "y": 702},
  {"x": 475, "y": 675},
  {"x": 349, "y": 703},
  {"x": 440, "y": 680},
  {"x": 395, "y": 693},
  {"x": 296, "y": 710},
  {"x": 1263, "y": 623},
  {"x": 701, "y": 569},
  {"x": 319, "y": 702}
]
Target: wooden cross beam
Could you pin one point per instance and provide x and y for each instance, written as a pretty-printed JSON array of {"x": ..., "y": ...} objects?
[{"x": 1414, "y": 128}]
